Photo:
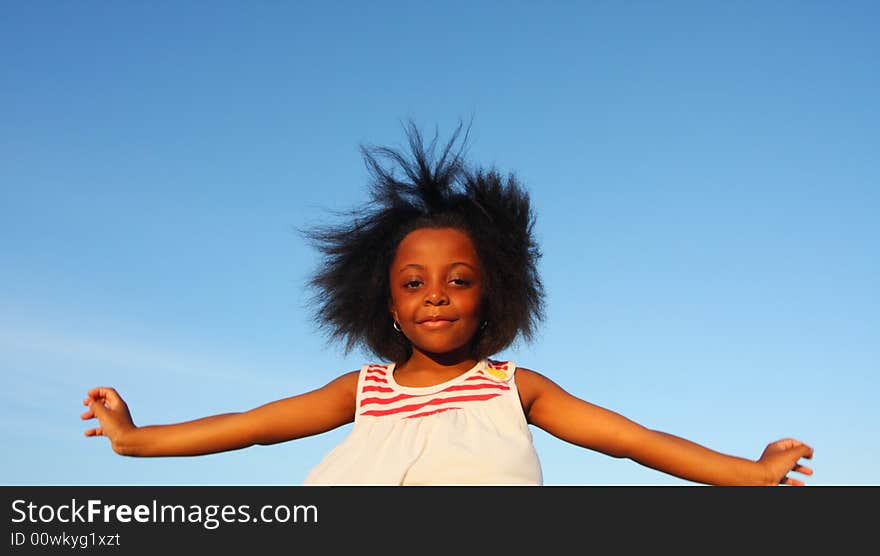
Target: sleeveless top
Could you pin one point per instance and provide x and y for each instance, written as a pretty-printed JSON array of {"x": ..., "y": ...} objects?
[{"x": 470, "y": 430}]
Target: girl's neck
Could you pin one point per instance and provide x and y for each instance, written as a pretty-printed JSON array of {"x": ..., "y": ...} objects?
[{"x": 442, "y": 364}]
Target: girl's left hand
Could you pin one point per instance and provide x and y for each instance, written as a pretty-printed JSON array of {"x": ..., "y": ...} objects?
[{"x": 781, "y": 457}]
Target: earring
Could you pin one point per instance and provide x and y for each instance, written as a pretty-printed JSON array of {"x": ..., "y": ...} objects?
[
  {"x": 396, "y": 326},
  {"x": 484, "y": 325}
]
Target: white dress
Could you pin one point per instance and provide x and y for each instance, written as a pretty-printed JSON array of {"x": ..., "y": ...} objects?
[{"x": 470, "y": 430}]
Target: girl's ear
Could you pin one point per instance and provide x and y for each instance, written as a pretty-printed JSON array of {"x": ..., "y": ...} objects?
[{"x": 392, "y": 309}]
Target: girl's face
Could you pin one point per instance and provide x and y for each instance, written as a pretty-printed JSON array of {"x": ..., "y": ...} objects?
[{"x": 437, "y": 290}]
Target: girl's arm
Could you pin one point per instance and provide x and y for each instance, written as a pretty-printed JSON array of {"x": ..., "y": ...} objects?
[
  {"x": 310, "y": 413},
  {"x": 549, "y": 407}
]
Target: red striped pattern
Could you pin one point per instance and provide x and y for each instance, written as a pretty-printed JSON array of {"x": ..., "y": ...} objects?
[
  {"x": 454, "y": 388},
  {"x": 433, "y": 401},
  {"x": 377, "y": 389},
  {"x": 379, "y": 399}
]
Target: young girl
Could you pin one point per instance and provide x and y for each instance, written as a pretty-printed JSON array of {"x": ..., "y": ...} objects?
[{"x": 436, "y": 274}]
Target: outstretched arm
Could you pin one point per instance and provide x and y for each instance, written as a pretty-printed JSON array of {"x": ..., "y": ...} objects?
[
  {"x": 307, "y": 414},
  {"x": 574, "y": 420}
]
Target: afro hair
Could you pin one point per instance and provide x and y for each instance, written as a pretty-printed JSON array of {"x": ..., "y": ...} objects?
[{"x": 420, "y": 189}]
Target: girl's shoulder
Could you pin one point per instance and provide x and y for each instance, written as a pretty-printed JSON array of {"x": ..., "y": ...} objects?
[
  {"x": 530, "y": 384},
  {"x": 345, "y": 384}
]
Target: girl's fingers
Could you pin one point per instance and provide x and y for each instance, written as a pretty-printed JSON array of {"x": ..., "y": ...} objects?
[
  {"x": 97, "y": 408},
  {"x": 95, "y": 432},
  {"x": 797, "y": 468},
  {"x": 99, "y": 392},
  {"x": 100, "y": 411},
  {"x": 805, "y": 451},
  {"x": 102, "y": 398},
  {"x": 803, "y": 469},
  {"x": 790, "y": 443},
  {"x": 108, "y": 395},
  {"x": 87, "y": 415},
  {"x": 790, "y": 481}
]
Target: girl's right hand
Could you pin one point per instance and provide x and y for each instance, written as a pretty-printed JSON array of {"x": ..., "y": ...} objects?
[{"x": 114, "y": 419}]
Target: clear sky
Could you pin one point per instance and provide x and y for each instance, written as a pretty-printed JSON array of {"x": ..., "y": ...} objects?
[{"x": 704, "y": 176}]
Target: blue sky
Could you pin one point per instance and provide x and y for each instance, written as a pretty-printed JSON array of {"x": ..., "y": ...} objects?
[{"x": 704, "y": 177}]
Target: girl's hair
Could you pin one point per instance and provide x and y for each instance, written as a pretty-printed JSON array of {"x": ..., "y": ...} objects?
[{"x": 352, "y": 283}]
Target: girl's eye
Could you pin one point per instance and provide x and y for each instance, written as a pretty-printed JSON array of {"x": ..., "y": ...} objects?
[
  {"x": 460, "y": 282},
  {"x": 412, "y": 283}
]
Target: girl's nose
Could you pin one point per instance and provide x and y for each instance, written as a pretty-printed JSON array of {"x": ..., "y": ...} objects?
[{"x": 437, "y": 296}]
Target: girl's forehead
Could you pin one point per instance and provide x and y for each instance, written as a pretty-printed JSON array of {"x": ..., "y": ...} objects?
[{"x": 435, "y": 244}]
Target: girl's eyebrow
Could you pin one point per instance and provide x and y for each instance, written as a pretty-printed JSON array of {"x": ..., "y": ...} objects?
[
  {"x": 411, "y": 265},
  {"x": 421, "y": 267}
]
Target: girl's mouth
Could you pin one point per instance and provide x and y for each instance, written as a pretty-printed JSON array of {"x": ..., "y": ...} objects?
[{"x": 437, "y": 322}]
